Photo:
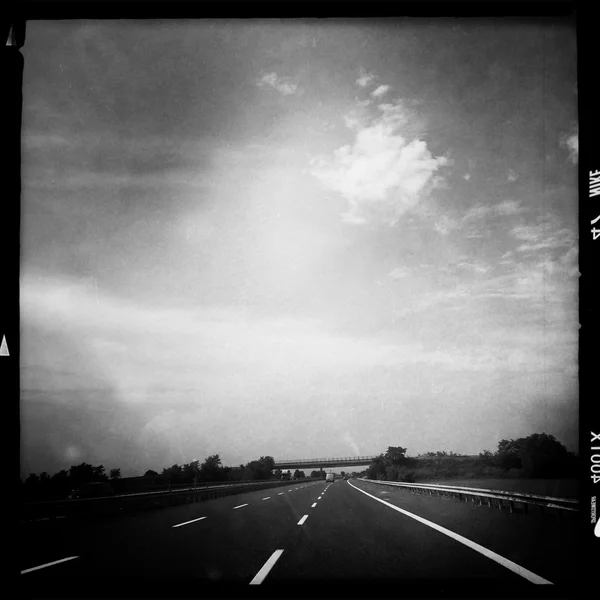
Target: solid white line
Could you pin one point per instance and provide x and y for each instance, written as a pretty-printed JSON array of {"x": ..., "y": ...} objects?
[
  {"x": 505, "y": 562},
  {"x": 266, "y": 498},
  {"x": 259, "y": 577},
  {"x": 240, "y": 506},
  {"x": 188, "y": 522},
  {"x": 314, "y": 505},
  {"x": 48, "y": 564},
  {"x": 301, "y": 521}
]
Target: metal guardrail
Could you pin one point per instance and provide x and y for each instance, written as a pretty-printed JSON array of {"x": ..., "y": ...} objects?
[
  {"x": 136, "y": 501},
  {"x": 479, "y": 494}
]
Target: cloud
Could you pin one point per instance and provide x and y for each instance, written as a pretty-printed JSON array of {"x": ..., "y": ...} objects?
[
  {"x": 365, "y": 78},
  {"x": 473, "y": 266},
  {"x": 467, "y": 176},
  {"x": 283, "y": 85},
  {"x": 544, "y": 235},
  {"x": 512, "y": 176},
  {"x": 399, "y": 273},
  {"x": 381, "y": 174},
  {"x": 380, "y": 91},
  {"x": 572, "y": 144},
  {"x": 471, "y": 222},
  {"x": 508, "y": 207},
  {"x": 445, "y": 225}
]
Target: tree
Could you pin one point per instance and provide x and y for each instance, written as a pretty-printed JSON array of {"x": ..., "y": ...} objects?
[
  {"x": 539, "y": 455},
  {"x": 543, "y": 456},
  {"x": 172, "y": 474},
  {"x": 115, "y": 474},
  {"x": 298, "y": 474},
  {"x": 486, "y": 458},
  {"x": 85, "y": 473},
  {"x": 376, "y": 469},
  {"x": 259, "y": 469},
  {"x": 267, "y": 464},
  {"x": 191, "y": 471},
  {"x": 211, "y": 469},
  {"x": 395, "y": 456},
  {"x": 342, "y": 473},
  {"x": 150, "y": 473}
]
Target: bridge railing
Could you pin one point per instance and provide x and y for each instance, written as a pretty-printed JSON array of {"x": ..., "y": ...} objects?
[
  {"x": 317, "y": 461},
  {"x": 499, "y": 498}
]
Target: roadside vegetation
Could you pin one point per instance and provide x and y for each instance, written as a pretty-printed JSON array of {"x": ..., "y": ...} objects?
[
  {"x": 60, "y": 485},
  {"x": 538, "y": 456}
]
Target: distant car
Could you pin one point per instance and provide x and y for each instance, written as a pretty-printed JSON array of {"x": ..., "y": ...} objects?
[
  {"x": 330, "y": 477},
  {"x": 97, "y": 489}
]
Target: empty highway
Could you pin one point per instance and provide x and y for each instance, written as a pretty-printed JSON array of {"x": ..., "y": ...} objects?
[{"x": 346, "y": 531}]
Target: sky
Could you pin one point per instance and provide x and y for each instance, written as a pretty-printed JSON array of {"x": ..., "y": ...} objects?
[{"x": 297, "y": 239}]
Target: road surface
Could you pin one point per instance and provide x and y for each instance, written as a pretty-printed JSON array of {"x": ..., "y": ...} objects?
[{"x": 352, "y": 532}]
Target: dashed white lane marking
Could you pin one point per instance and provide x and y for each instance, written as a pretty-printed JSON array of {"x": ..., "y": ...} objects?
[
  {"x": 319, "y": 497},
  {"x": 188, "y": 522},
  {"x": 314, "y": 505},
  {"x": 240, "y": 506},
  {"x": 266, "y": 498},
  {"x": 514, "y": 567},
  {"x": 301, "y": 521},
  {"x": 280, "y": 494},
  {"x": 259, "y": 577},
  {"x": 48, "y": 564},
  {"x": 289, "y": 490}
]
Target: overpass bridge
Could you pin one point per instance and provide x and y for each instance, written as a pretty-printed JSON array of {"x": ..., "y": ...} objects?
[{"x": 320, "y": 463}]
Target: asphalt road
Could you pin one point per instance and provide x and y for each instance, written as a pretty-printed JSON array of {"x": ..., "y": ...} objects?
[{"x": 349, "y": 532}]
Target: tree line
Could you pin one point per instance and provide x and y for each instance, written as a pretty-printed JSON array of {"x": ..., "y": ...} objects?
[
  {"x": 61, "y": 484},
  {"x": 536, "y": 456}
]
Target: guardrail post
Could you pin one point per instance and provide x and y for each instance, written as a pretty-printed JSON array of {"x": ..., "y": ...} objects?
[{"x": 512, "y": 507}]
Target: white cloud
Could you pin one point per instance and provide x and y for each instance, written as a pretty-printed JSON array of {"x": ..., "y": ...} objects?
[
  {"x": 380, "y": 91},
  {"x": 382, "y": 174},
  {"x": 365, "y": 78},
  {"x": 508, "y": 207},
  {"x": 283, "y": 85},
  {"x": 473, "y": 266},
  {"x": 471, "y": 221},
  {"x": 351, "y": 121},
  {"x": 467, "y": 176},
  {"x": 484, "y": 211},
  {"x": 546, "y": 234},
  {"x": 512, "y": 175},
  {"x": 572, "y": 144},
  {"x": 399, "y": 273},
  {"x": 445, "y": 225}
]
